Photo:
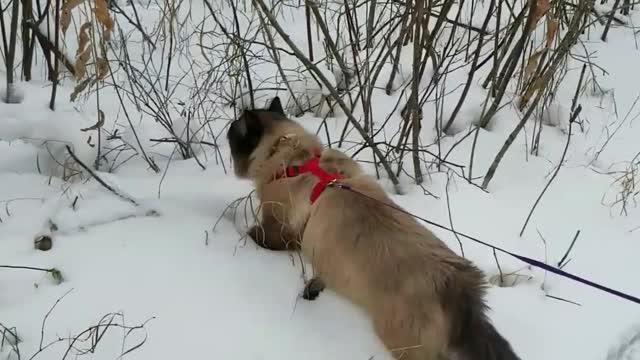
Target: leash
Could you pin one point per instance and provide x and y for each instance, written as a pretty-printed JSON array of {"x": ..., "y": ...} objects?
[
  {"x": 326, "y": 179},
  {"x": 528, "y": 260}
]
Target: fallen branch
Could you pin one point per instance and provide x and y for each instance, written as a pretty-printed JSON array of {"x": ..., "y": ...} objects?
[
  {"x": 55, "y": 273},
  {"x": 99, "y": 180}
]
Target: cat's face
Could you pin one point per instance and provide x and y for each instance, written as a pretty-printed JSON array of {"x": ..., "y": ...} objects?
[{"x": 247, "y": 132}]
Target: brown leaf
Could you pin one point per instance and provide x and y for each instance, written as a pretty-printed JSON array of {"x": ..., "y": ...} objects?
[
  {"x": 101, "y": 11},
  {"x": 532, "y": 64},
  {"x": 102, "y": 68},
  {"x": 81, "y": 63},
  {"x": 65, "y": 16},
  {"x": 536, "y": 86},
  {"x": 83, "y": 54},
  {"x": 552, "y": 28},
  {"x": 542, "y": 6},
  {"x": 79, "y": 88},
  {"x": 83, "y": 38},
  {"x": 65, "y": 19},
  {"x": 106, "y": 36},
  {"x": 98, "y": 124}
]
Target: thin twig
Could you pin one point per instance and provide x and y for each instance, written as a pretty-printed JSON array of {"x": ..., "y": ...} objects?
[
  {"x": 329, "y": 87},
  {"x": 563, "y": 49},
  {"x": 563, "y": 300},
  {"x": 26, "y": 268},
  {"x": 555, "y": 173},
  {"x": 46, "y": 316},
  {"x": 495, "y": 256},
  {"x": 99, "y": 180},
  {"x": 562, "y": 262}
]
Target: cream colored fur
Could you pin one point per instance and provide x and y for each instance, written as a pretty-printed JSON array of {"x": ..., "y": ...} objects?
[{"x": 379, "y": 258}]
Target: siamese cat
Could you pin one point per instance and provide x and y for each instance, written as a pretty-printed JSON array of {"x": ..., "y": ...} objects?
[{"x": 425, "y": 301}]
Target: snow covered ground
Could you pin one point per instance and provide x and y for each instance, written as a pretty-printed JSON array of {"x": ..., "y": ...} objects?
[{"x": 176, "y": 260}]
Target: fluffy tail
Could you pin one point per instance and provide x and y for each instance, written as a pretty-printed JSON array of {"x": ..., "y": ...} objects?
[{"x": 473, "y": 336}]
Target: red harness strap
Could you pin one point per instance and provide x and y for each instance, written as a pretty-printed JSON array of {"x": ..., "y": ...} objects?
[{"x": 312, "y": 166}]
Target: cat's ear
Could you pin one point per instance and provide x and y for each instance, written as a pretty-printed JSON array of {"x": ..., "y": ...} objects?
[
  {"x": 239, "y": 127},
  {"x": 247, "y": 122},
  {"x": 276, "y": 106}
]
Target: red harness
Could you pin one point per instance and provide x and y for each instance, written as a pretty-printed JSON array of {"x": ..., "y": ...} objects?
[{"x": 312, "y": 166}]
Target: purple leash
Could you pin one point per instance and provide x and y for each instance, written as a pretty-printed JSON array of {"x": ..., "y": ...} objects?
[{"x": 525, "y": 259}]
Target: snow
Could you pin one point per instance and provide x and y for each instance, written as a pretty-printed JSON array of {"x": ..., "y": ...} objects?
[{"x": 177, "y": 262}]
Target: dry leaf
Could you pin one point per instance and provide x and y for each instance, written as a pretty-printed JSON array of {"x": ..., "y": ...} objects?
[
  {"x": 102, "y": 15},
  {"x": 65, "y": 19},
  {"x": 537, "y": 85},
  {"x": 106, "y": 36},
  {"x": 65, "y": 16},
  {"x": 83, "y": 54},
  {"x": 79, "y": 88},
  {"x": 542, "y": 6},
  {"x": 532, "y": 64},
  {"x": 102, "y": 68},
  {"x": 98, "y": 124},
  {"x": 81, "y": 62},
  {"x": 83, "y": 38},
  {"x": 80, "y": 70},
  {"x": 552, "y": 28}
]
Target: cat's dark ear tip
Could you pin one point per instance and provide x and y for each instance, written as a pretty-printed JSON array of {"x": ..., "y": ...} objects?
[{"x": 276, "y": 105}]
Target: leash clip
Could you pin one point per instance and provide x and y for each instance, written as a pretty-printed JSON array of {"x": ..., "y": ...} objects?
[{"x": 338, "y": 184}]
